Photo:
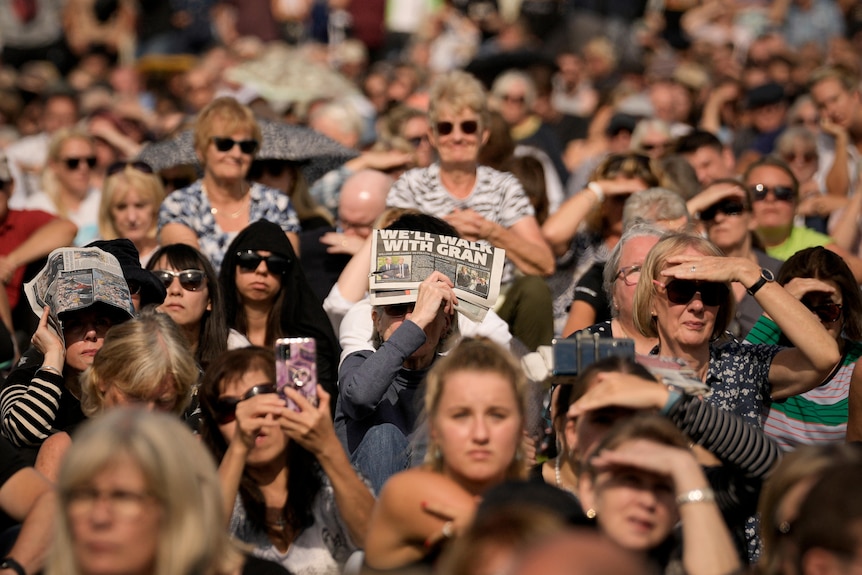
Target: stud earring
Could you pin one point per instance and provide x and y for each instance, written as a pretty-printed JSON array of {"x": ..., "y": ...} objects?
[{"x": 591, "y": 513}]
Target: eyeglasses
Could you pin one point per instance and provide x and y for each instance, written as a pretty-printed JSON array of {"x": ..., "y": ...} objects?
[
  {"x": 190, "y": 280},
  {"x": 249, "y": 260},
  {"x": 398, "y": 309},
  {"x": 728, "y": 208},
  {"x": 806, "y": 157},
  {"x": 124, "y": 504},
  {"x": 513, "y": 99},
  {"x": 626, "y": 274},
  {"x": 650, "y": 147},
  {"x": 682, "y": 291},
  {"x": 418, "y": 141},
  {"x": 74, "y": 163},
  {"x": 827, "y": 312},
  {"x": 781, "y": 193},
  {"x": 467, "y": 127},
  {"x": 226, "y": 145},
  {"x": 118, "y": 167},
  {"x": 225, "y": 407}
]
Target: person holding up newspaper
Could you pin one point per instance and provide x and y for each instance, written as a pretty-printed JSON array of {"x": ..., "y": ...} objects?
[{"x": 80, "y": 293}]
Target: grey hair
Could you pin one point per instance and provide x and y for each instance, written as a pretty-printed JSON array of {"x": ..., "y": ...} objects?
[
  {"x": 654, "y": 205},
  {"x": 645, "y": 126},
  {"x": 507, "y": 79},
  {"x": 636, "y": 230}
]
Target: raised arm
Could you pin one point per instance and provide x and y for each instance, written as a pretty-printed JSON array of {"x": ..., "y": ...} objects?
[{"x": 57, "y": 233}]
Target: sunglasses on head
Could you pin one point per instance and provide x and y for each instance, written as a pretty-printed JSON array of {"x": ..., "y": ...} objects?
[
  {"x": 118, "y": 167},
  {"x": 74, "y": 163},
  {"x": 682, "y": 292},
  {"x": 781, "y": 193},
  {"x": 398, "y": 309},
  {"x": 249, "y": 260},
  {"x": 728, "y": 208},
  {"x": 190, "y": 280},
  {"x": 225, "y": 407},
  {"x": 827, "y": 312},
  {"x": 226, "y": 145},
  {"x": 467, "y": 127}
]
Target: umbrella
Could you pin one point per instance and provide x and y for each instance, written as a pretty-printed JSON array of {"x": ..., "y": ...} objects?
[{"x": 316, "y": 153}]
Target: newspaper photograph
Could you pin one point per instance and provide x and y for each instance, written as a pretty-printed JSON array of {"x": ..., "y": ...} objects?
[
  {"x": 401, "y": 259},
  {"x": 75, "y": 278}
]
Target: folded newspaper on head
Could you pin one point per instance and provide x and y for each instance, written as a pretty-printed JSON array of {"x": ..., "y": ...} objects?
[
  {"x": 401, "y": 259},
  {"x": 75, "y": 278}
]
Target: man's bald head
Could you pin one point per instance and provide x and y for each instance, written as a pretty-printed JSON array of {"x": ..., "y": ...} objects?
[
  {"x": 362, "y": 200},
  {"x": 580, "y": 551}
]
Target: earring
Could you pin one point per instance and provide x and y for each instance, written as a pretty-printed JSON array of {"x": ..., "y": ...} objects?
[
  {"x": 591, "y": 513},
  {"x": 436, "y": 453}
]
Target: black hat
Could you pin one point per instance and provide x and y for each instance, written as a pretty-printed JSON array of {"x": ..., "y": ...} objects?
[
  {"x": 152, "y": 290},
  {"x": 621, "y": 123},
  {"x": 764, "y": 95}
]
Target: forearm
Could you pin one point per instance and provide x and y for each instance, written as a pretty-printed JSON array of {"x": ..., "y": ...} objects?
[
  {"x": 531, "y": 257},
  {"x": 34, "y": 540},
  {"x": 353, "y": 498},
  {"x": 230, "y": 475},
  {"x": 561, "y": 226},
  {"x": 353, "y": 281},
  {"x": 30, "y": 408},
  {"x": 846, "y": 230},
  {"x": 838, "y": 177},
  {"x": 55, "y": 234}
]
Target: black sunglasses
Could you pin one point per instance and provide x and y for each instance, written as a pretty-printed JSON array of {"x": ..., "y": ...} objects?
[
  {"x": 827, "y": 312},
  {"x": 190, "y": 280},
  {"x": 398, "y": 309},
  {"x": 249, "y": 260},
  {"x": 467, "y": 127},
  {"x": 73, "y": 163},
  {"x": 781, "y": 193},
  {"x": 682, "y": 292},
  {"x": 728, "y": 208},
  {"x": 226, "y": 145},
  {"x": 118, "y": 167},
  {"x": 225, "y": 407}
]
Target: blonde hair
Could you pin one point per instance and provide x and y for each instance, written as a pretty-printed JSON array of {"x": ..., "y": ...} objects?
[
  {"x": 477, "y": 354},
  {"x": 117, "y": 187},
  {"x": 235, "y": 117},
  {"x": 50, "y": 183},
  {"x": 459, "y": 91},
  {"x": 138, "y": 356},
  {"x": 669, "y": 245},
  {"x": 181, "y": 476}
]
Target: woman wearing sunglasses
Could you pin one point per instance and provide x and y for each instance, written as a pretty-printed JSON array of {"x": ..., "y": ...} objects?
[
  {"x": 267, "y": 296},
  {"x": 819, "y": 415},
  {"x": 67, "y": 183},
  {"x": 210, "y": 212},
  {"x": 287, "y": 484},
  {"x": 724, "y": 212},
  {"x": 131, "y": 196},
  {"x": 684, "y": 298},
  {"x": 194, "y": 301}
]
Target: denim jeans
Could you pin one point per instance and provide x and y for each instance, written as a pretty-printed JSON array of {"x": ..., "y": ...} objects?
[{"x": 383, "y": 452}]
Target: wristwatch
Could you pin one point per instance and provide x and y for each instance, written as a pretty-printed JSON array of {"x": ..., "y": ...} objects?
[
  {"x": 765, "y": 276},
  {"x": 9, "y": 563}
]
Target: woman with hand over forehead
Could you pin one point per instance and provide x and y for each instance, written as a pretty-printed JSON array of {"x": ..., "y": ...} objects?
[
  {"x": 209, "y": 213},
  {"x": 684, "y": 298}
]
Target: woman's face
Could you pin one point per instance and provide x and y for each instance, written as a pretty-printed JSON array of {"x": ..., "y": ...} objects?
[
  {"x": 257, "y": 286},
  {"x": 184, "y": 306},
  {"x": 270, "y": 442},
  {"x": 683, "y": 325},
  {"x": 729, "y": 231},
  {"x": 635, "y": 508},
  {"x": 632, "y": 256},
  {"x": 770, "y": 212},
  {"x": 233, "y": 164},
  {"x": 84, "y": 332},
  {"x": 477, "y": 427},
  {"x": 802, "y": 159},
  {"x": 820, "y": 303},
  {"x": 415, "y": 131},
  {"x": 115, "y": 521},
  {"x": 71, "y": 167},
  {"x": 134, "y": 214},
  {"x": 464, "y": 138}
]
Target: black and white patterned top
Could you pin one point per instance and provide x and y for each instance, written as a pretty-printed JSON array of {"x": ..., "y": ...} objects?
[{"x": 191, "y": 207}]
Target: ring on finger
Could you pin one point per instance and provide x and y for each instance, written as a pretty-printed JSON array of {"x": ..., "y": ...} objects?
[
  {"x": 448, "y": 530},
  {"x": 693, "y": 268}
]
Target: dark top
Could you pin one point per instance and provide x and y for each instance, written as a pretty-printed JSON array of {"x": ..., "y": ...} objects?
[
  {"x": 321, "y": 267},
  {"x": 590, "y": 289}
]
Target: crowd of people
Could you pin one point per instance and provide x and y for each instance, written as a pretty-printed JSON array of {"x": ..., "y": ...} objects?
[{"x": 185, "y": 184}]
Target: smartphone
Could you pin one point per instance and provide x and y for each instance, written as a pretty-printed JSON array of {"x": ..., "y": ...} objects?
[
  {"x": 573, "y": 355},
  {"x": 296, "y": 367}
]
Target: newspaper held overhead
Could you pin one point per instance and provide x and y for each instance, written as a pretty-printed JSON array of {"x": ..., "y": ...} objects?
[
  {"x": 75, "y": 278},
  {"x": 401, "y": 259}
]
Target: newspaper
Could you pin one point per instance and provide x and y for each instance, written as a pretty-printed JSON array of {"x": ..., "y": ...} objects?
[
  {"x": 401, "y": 259},
  {"x": 75, "y": 278}
]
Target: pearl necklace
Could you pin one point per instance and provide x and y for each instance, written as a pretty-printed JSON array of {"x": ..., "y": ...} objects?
[{"x": 559, "y": 477}]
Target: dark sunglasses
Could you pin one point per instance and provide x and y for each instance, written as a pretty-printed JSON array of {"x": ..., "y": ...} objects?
[
  {"x": 682, "y": 292},
  {"x": 190, "y": 280},
  {"x": 398, "y": 309},
  {"x": 226, "y": 145},
  {"x": 728, "y": 208},
  {"x": 513, "y": 99},
  {"x": 118, "y": 167},
  {"x": 467, "y": 127},
  {"x": 781, "y": 193},
  {"x": 249, "y": 260},
  {"x": 807, "y": 157},
  {"x": 651, "y": 147},
  {"x": 225, "y": 407},
  {"x": 73, "y": 163},
  {"x": 827, "y": 312}
]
